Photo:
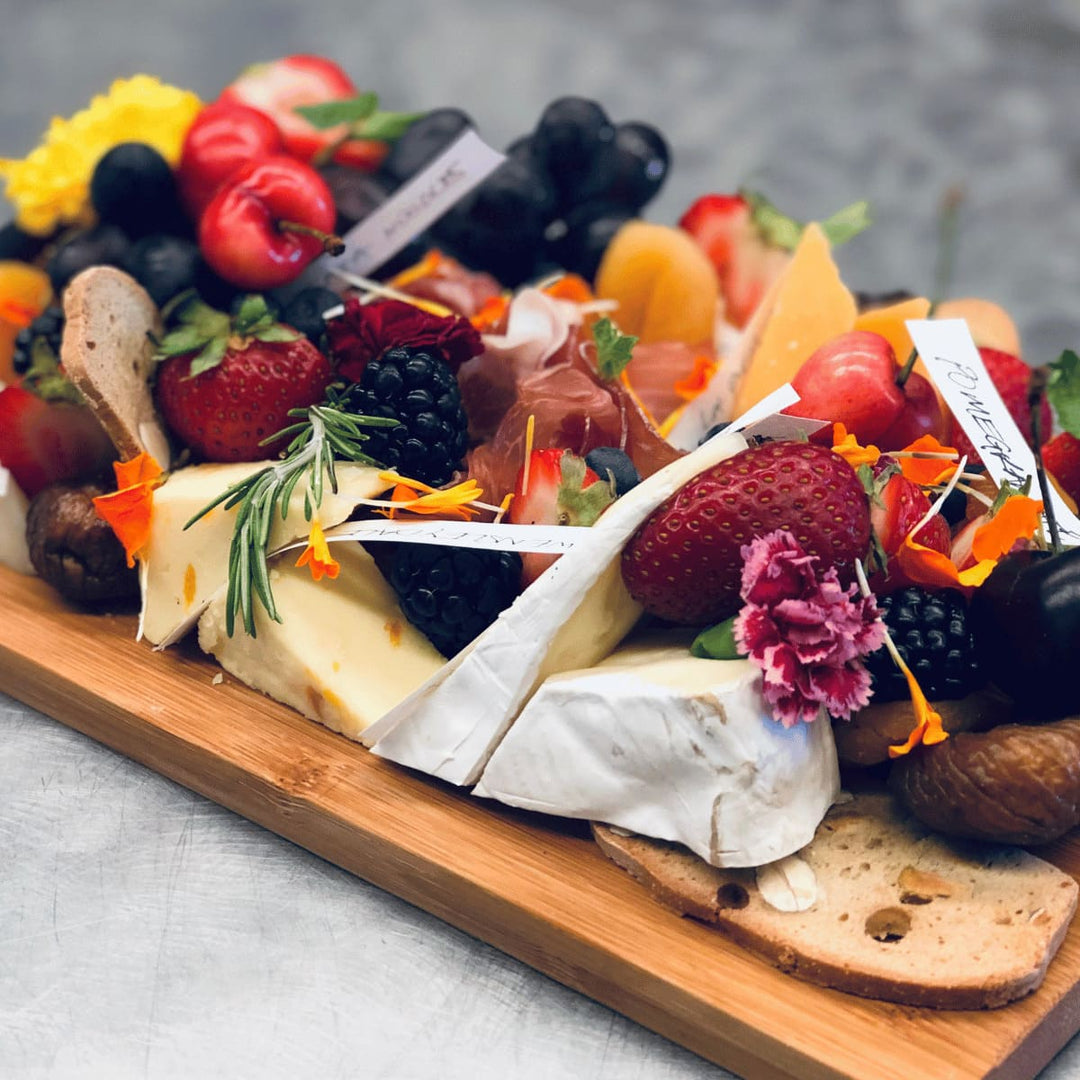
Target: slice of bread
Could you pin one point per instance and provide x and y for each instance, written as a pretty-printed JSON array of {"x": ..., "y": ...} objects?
[
  {"x": 899, "y": 914},
  {"x": 110, "y": 324}
]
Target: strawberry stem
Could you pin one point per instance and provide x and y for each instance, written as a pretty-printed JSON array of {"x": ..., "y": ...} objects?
[{"x": 332, "y": 245}]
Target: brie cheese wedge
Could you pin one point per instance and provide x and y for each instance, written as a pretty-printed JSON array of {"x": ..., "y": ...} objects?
[
  {"x": 13, "y": 506},
  {"x": 670, "y": 746},
  {"x": 572, "y": 616},
  {"x": 343, "y": 654},
  {"x": 182, "y": 569}
]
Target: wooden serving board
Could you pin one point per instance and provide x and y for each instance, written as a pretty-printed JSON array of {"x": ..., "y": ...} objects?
[{"x": 533, "y": 887}]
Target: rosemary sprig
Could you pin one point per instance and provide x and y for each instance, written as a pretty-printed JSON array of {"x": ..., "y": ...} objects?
[{"x": 323, "y": 434}]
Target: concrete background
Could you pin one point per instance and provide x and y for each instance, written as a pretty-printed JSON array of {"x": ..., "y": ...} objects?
[{"x": 146, "y": 932}]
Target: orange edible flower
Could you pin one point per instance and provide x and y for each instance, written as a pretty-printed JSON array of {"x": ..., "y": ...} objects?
[
  {"x": 570, "y": 287},
  {"x": 847, "y": 446},
  {"x": 936, "y": 570},
  {"x": 928, "y": 471},
  {"x": 1018, "y": 519},
  {"x": 127, "y": 510},
  {"x": 491, "y": 313},
  {"x": 426, "y": 267},
  {"x": 317, "y": 555},
  {"x": 696, "y": 381},
  {"x": 928, "y": 729},
  {"x": 451, "y": 503}
]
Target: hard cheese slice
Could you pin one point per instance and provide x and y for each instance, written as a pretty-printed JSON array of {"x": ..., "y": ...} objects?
[
  {"x": 670, "y": 746},
  {"x": 181, "y": 570},
  {"x": 343, "y": 653},
  {"x": 572, "y": 616},
  {"x": 810, "y": 305}
]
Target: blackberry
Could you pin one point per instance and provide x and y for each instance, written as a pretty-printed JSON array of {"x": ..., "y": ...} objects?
[
  {"x": 933, "y": 635},
  {"x": 453, "y": 594},
  {"x": 417, "y": 388},
  {"x": 49, "y": 327}
]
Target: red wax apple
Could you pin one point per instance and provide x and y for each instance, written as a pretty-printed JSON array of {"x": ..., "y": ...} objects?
[
  {"x": 267, "y": 222},
  {"x": 851, "y": 380},
  {"x": 921, "y": 415},
  {"x": 222, "y": 139}
]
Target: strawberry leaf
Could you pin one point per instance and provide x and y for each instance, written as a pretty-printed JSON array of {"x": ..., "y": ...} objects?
[
  {"x": 328, "y": 114},
  {"x": 613, "y": 348},
  {"x": 277, "y": 332},
  {"x": 386, "y": 126},
  {"x": 847, "y": 223},
  {"x": 717, "y": 643},
  {"x": 209, "y": 358},
  {"x": 184, "y": 339},
  {"x": 1063, "y": 391},
  {"x": 779, "y": 230},
  {"x": 576, "y": 503}
]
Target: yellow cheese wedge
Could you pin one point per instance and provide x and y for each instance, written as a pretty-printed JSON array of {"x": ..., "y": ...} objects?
[
  {"x": 343, "y": 653},
  {"x": 810, "y": 306},
  {"x": 182, "y": 569},
  {"x": 889, "y": 323}
]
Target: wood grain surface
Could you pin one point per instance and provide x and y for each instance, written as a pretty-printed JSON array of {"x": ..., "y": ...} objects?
[{"x": 534, "y": 887}]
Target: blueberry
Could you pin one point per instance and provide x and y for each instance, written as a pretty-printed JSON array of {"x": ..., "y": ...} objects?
[
  {"x": 133, "y": 187},
  {"x": 103, "y": 245},
  {"x": 304, "y": 312},
  {"x": 642, "y": 160},
  {"x": 163, "y": 265},
  {"x": 422, "y": 141},
  {"x": 575, "y": 141},
  {"x": 609, "y": 462}
]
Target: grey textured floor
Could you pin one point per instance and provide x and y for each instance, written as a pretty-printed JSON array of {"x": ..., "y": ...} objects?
[{"x": 145, "y": 932}]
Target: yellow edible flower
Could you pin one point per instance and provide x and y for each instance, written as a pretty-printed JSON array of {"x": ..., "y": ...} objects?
[
  {"x": 316, "y": 556},
  {"x": 51, "y": 186}
]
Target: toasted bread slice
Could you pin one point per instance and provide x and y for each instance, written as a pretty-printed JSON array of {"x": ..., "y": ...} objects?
[
  {"x": 108, "y": 352},
  {"x": 899, "y": 915}
]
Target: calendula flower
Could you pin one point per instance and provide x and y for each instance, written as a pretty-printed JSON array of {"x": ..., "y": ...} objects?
[
  {"x": 51, "y": 186},
  {"x": 128, "y": 510},
  {"x": 420, "y": 498},
  {"x": 316, "y": 556},
  {"x": 806, "y": 633},
  {"x": 927, "y": 462},
  {"x": 847, "y": 446}
]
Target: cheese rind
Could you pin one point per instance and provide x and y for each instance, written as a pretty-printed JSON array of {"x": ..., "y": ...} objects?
[
  {"x": 673, "y": 747},
  {"x": 183, "y": 569},
  {"x": 342, "y": 655},
  {"x": 13, "y": 507},
  {"x": 571, "y": 616}
]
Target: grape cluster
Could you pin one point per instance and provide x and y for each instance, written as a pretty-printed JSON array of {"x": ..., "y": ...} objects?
[{"x": 556, "y": 202}]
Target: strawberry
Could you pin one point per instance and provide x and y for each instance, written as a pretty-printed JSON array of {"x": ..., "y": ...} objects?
[
  {"x": 898, "y": 508},
  {"x": 42, "y": 442},
  {"x": 685, "y": 562},
  {"x": 1061, "y": 456},
  {"x": 224, "y": 386},
  {"x": 558, "y": 489},
  {"x": 277, "y": 87},
  {"x": 1010, "y": 375}
]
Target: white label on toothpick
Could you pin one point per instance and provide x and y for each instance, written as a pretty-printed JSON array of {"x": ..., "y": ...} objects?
[
  {"x": 545, "y": 539},
  {"x": 766, "y": 419},
  {"x": 420, "y": 202},
  {"x": 950, "y": 355}
]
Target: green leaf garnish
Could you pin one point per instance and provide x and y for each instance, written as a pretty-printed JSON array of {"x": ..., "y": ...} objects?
[
  {"x": 328, "y": 114},
  {"x": 325, "y": 433},
  {"x": 779, "y": 230},
  {"x": 1006, "y": 492},
  {"x": 717, "y": 643},
  {"x": 1063, "y": 391},
  {"x": 576, "y": 502},
  {"x": 613, "y": 348},
  {"x": 387, "y": 126}
]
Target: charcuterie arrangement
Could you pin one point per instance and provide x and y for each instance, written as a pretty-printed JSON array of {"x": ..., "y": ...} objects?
[{"x": 660, "y": 527}]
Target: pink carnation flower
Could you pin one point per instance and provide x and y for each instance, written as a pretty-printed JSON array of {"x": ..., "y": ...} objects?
[{"x": 806, "y": 633}]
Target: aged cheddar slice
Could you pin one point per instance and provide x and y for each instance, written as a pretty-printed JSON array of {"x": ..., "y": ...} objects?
[
  {"x": 810, "y": 306},
  {"x": 889, "y": 323},
  {"x": 182, "y": 569},
  {"x": 670, "y": 746},
  {"x": 573, "y": 615},
  {"x": 343, "y": 653}
]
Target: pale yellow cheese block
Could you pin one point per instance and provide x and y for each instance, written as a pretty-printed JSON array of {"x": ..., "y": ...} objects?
[
  {"x": 182, "y": 569},
  {"x": 342, "y": 655},
  {"x": 809, "y": 305}
]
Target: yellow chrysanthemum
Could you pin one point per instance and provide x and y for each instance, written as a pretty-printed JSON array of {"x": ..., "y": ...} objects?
[{"x": 50, "y": 187}]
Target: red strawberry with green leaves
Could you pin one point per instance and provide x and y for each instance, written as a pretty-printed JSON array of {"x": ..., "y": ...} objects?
[
  {"x": 685, "y": 562},
  {"x": 749, "y": 242},
  {"x": 224, "y": 386},
  {"x": 1010, "y": 375},
  {"x": 1061, "y": 456},
  {"x": 897, "y": 507},
  {"x": 557, "y": 488}
]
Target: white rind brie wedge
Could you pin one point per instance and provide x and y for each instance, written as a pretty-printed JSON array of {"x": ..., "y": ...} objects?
[
  {"x": 343, "y": 653},
  {"x": 13, "y": 507},
  {"x": 670, "y": 746},
  {"x": 181, "y": 569},
  {"x": 572, "y": 616}
]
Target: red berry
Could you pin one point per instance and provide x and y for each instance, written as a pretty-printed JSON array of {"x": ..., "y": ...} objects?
[
  {"x": 1010, "y": 375},
  {"x": 1061, "y": 456},
  {"x": 921, "y": 415},
  {"x": 224, "y": 414},
  {"x": 685, "y": 562},
  {"x": 900, "y": 506}
]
